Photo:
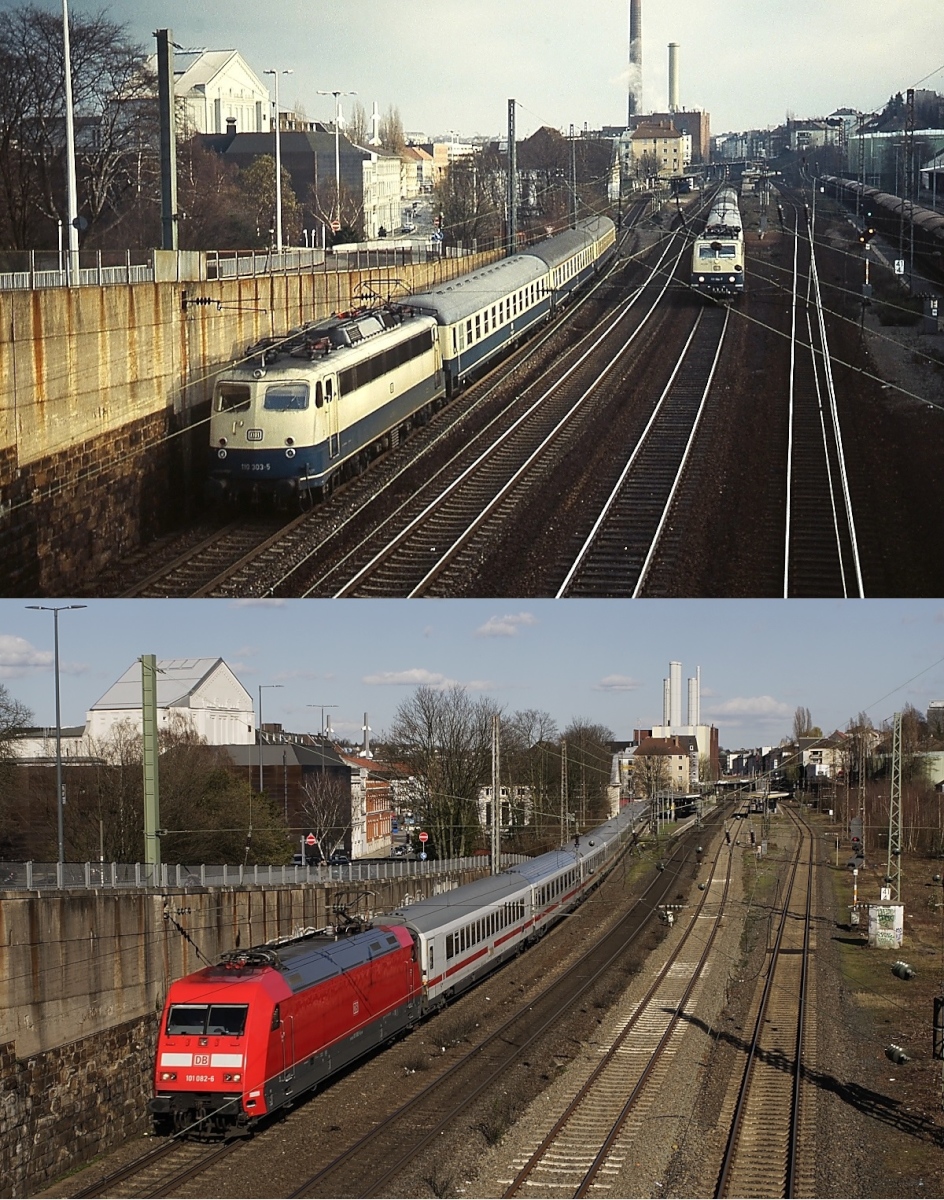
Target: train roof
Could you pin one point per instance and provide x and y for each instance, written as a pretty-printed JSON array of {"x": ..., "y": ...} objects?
[
  {"x": 562, "y": 246},
  {"x": 340, "y": 331},
  {"x": 460, "y": 298},
  {"x": 305, "y": 960},
  {"x": 448, "y": 907}
]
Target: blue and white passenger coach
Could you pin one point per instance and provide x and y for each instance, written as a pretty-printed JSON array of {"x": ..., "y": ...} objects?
[{"x": 302, "y": 410}]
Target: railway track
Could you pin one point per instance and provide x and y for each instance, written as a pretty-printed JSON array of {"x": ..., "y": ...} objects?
[
  {"x": 585, "y": 1148},
  {"x": 396, "y": 1144},
  {"x": 617, "y": 555},
  {"x": 821, "y": 551},
  {"x": 762, "y": 1155},
  {"x": 426, "y": 547},
  {"x": 161, "y": 1171}
]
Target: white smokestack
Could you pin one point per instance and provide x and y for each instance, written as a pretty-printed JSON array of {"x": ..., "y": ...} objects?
[
  {"x": 666, "y": 702},
  {"x": 675, "y": 675},
  {"x": 673, "y": 77}
]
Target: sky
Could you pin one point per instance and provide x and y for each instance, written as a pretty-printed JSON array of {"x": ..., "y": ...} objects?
[
  {"x": 453, "y": 65},
  {"x": 596, "y": 659}
]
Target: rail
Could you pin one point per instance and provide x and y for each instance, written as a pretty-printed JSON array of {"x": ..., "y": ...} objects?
[{"x": 35, "y": 876}]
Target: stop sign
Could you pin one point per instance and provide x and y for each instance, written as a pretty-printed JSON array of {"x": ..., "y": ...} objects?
[
  {"x": 424, "y": 837},
  {"x": 311, "y": 840}
]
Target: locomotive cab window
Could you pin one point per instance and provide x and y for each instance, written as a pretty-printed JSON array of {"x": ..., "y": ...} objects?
[
  {"x": 232, "y": 397},
  {"x": 286, "y": 397},
  {"x": 219, "y": 1020}
]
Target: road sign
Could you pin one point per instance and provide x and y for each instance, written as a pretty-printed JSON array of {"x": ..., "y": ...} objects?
[
  {"x": 311, "y": 840},
  {"x": 424, "y": 837},
  {"x": 335, "y": 226}
]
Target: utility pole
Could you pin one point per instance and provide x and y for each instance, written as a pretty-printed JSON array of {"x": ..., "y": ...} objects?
[
  {"x": 168, "y": 138},
  {"x": 150, "y": 755},
  {"x": 893, "y": 866},
  {"x": 563, "y": 794},
  {"x": 512, "y": 180},
  {"x": 496, "y": 794}
]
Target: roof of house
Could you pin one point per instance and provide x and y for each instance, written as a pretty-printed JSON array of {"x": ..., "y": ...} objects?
[{"x": 177, "y": 680}]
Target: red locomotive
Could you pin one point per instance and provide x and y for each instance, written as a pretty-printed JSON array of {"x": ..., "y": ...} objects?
[{"x": 244, "y": 1038}]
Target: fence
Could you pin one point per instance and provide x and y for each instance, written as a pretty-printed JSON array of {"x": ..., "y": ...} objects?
[
  {"x": 33, "y": 269},
  {"x": 33, "y": 876}
]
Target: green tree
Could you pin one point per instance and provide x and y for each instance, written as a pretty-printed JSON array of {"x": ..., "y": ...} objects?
[{"x": 257, "y": 183}]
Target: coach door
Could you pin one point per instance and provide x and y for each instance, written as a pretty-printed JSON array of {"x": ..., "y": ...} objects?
[
  {"x": 333, "y": 415},
  {"x": 288, "y": 1049}
]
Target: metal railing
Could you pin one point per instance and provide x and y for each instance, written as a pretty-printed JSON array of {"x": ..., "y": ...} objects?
[{"x": 34, "y": 876}]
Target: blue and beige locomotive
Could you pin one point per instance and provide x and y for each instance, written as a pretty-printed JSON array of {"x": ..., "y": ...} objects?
[
  {"x": 302, "y": 411},
  {"x": 718, "y": 254},
  {"x": 299, "y": 413}
]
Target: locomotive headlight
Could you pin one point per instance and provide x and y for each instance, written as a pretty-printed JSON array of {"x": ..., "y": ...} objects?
[
  {"x": 701, "y": 279},
  {"x": 165, "y": 1075},
  {"x": 290, "y": 453},
  {"x": 290, "y": 441},
  {"x": 232, "y": 1077},
  {"x": 223, "y": 442},
  {"x": 221, "y": 454}
]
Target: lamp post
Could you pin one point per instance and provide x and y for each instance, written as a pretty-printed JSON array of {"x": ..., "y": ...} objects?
[
  {"x": 261, "y": 686},
  {"x": 55, "y": 622},
  {"x": 322, "y": 707},
  {"x": 337, "y": 178},
  {"x": 72, "y": 201},
  {"x": 278, "y": 161}
]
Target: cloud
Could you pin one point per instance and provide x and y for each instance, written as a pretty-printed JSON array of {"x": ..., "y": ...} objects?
[
  {"x": 414, "y": 677},
  {"x": 507, "y": 626},
  {"x": 757, "y": 708},
  {"x": 420, "y": 677},
  {"x": 617, "y": 683},
  {"x": 18, "y": 657}
]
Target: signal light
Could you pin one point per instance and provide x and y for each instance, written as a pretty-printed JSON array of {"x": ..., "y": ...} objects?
[{"x": 866, "y": 235}]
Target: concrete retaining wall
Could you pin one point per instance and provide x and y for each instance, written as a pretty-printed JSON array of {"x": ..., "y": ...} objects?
[
  {"x": 104, "y": 395},
  {"x": 83, "y": 977}
]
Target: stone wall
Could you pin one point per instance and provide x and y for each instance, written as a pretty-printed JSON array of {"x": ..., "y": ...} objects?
[
  {"x": 104, "y": 395},
  {"x": 83, "y": 977}
]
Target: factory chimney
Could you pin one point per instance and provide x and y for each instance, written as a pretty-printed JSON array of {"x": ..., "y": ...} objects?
[
  {"x": 675, "y": 687},
  {"x": 694, "y": 698},
  {"x": 635, "y": 58},
  {"x": 673, "y": 77}
]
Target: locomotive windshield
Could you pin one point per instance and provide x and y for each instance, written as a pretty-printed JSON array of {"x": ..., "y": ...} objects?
[
  {"x": 286, "y": 397},
  {"x": 220, "y": 1020},
  {"x": 716, "y": 251},
  {"x": 232, "y": 397}
]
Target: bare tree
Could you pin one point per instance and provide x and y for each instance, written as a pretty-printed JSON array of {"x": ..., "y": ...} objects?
[
  {"x": 115, "y": 118},
  {"x": 445, "y": 737},
  {"x": 651, "y": 774},
  {"x": 15, "y": 816},
  {"x": 470, "y": 199},
  {"x": 589, "y": 765},
  {"x": 390, "y": 132},
  {"x": 257, "y": 183},
  {"x": 357, "y": 127},
  {"x": 326, "y": 811}
]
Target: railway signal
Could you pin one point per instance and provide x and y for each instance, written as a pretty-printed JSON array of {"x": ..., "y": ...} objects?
[{"x": 866, "y": 235}]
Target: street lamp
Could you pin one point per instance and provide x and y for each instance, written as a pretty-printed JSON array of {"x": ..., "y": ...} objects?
[
  {"x": 261, "y": 686},
  {"x": 322, "y": 707},
  {"x": 72, "y": 201},
  {"x": 278, "y": 162},
  {"x": 55, "y": 622},
  {"x": 337, "y": 174}
]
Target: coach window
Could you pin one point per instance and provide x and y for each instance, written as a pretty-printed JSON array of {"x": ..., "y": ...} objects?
[
  {"x": 319, "y": 394},
  {"x": 478, "y": 326},
  {"x": 329, "y": 390}
]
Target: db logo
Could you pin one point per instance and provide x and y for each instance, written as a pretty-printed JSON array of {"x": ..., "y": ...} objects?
[{"x": 201, "y": 1060}]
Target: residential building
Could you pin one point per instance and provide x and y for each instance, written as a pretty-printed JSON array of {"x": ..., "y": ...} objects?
[
  {"x": 680, "y": 758},
  {"x": 216, "y": 88},
  {"x": 655, "y": 150},
  {"x": 203, "y": 693}
]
